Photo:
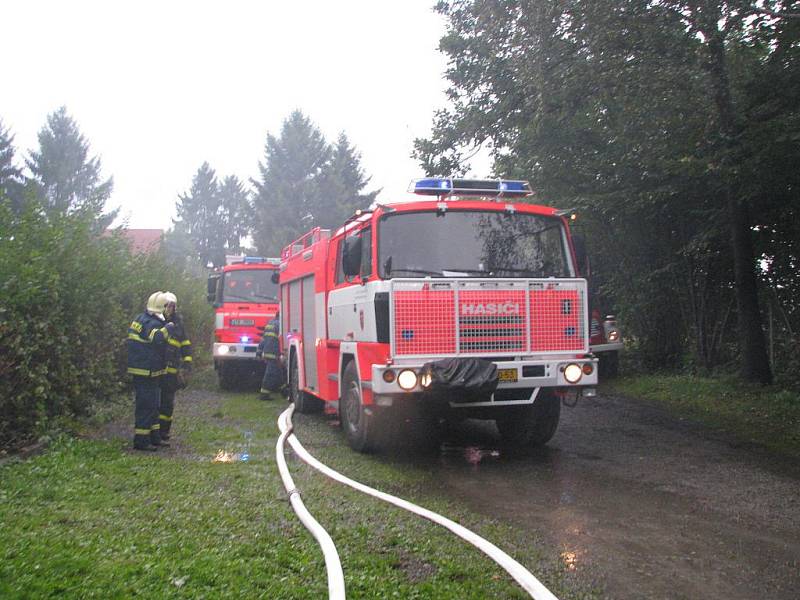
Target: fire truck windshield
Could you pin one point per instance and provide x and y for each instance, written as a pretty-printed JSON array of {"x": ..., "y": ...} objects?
[
  {"x": 459, "y": 243},
  {"x": 251, "y": 285}
]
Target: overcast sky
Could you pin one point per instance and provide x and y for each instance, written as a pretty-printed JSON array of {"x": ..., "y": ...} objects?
[{"x": 159, "y": 87}]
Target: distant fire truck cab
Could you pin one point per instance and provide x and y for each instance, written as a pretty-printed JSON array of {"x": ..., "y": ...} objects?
[
  {"x": 244, "y": 294},
  {"x": 461, "y": 304}
]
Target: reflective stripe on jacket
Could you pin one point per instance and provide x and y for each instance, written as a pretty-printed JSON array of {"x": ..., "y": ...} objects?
[
  {"x": 147, "y": 338},
  {"x": 179, "y": 349},
  {"x": 269, "y": 346}
]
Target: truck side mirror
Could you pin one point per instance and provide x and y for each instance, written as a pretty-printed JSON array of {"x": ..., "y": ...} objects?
[
  {"x": 275, "y": 277},
  {"x": 351, "y": 256},
  {"x": 579, "y": 244},
  {"x": 211, "y": 290}
]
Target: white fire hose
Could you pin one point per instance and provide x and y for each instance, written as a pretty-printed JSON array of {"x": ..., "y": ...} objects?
[
  {"x": 520, "y": 574},
  {"x": 332, "y": 563}
]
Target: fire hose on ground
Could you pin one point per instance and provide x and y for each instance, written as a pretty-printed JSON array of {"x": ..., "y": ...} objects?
[
  {"x": 332, "y": 563},
  {"x": 520, "y": 574}
]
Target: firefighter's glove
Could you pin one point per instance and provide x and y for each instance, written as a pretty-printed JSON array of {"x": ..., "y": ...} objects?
[{"x": 182, "y": 378}]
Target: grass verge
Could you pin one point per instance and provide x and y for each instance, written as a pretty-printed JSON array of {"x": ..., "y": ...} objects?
[
  {"x": 90, "y": 518},
  {"x": 765, "y": 416}
]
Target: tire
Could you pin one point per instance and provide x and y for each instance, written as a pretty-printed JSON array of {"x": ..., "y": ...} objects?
[
  {"x": 303, "y": 402},
  {"x": 609, "y": 364},
  {"x": 226, "y": 376},
  {"x": 359, "y": 424},
  {"x": 531, "y": 426}
]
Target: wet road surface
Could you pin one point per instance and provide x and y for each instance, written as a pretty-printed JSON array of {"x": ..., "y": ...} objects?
[{"x": 639, "y": 502}]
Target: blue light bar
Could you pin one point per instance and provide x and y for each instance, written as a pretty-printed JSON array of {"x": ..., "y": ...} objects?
[
  {"x": 254, "y": 259},
  {"x": 440, "y": 186}
]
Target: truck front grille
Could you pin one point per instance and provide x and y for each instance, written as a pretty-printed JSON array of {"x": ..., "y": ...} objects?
[{"x": 486, "y": 316}]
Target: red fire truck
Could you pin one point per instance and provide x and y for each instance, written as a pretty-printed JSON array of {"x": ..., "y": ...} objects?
[
  {"x": 606, "y": 342},
  {"x": 605, "y": 335},
  {"x": 244, "y": 294},
  {"x": 463, "y": 303}
]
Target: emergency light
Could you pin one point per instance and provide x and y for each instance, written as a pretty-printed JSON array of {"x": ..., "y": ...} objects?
[
  {"x": 440, "y": 186},
  {"x": 252, "y": 260}
]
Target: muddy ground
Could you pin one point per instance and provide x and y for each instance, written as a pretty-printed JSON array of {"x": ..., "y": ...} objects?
[{"x": 639, "y": 502}]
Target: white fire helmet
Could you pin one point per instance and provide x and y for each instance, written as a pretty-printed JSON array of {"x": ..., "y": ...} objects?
[
  {"x": 155, "y": 304},
  {"x": 170, "y": 297}
]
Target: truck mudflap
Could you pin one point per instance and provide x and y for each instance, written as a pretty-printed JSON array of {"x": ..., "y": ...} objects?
[{"x": 467, "y": 377}]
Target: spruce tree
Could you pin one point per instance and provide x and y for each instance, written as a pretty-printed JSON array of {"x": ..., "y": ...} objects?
[
  {"x": 11, "y": 180},
  {"x": 67, "y": 179},
  {"x": 200, "y": 215},
  {"x": 344, "y": 182},
  {"x": 237, "y": 212},
  {"x": 288, "y": 195}
]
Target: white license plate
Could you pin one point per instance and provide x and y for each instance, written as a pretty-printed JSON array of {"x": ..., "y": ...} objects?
[{"x": 242, "y": 322}]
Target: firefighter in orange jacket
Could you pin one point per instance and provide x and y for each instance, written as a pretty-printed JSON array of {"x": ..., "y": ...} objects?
[
  {"x": 147, "y": 338},
  {"x": 178, "y": 363}
]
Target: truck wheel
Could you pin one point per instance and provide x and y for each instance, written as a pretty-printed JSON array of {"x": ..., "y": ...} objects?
[
  {"x": 533, "y": 425},
  {"x": 226, "y": 376},
  {"x": 303, "y": 402},
  {"x": 358, "y": 424},
  {"x": 609, "y": 364}
]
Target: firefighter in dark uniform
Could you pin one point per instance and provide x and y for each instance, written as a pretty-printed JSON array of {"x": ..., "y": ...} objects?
[
  {"x": 268, "y": 351},
  {"x": 147, "y": 339},
  {"x": 178, "y": 358}
]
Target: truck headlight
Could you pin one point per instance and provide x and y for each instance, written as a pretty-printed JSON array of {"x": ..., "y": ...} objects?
[
  {"x": 612, "y": 335},
  {"x": 407, "y": 379},
  {"x": 223, "y": 349},
  {"x": 573, "y": 373}
]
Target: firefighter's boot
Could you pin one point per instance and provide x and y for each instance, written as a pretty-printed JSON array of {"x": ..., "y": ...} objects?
[
  {"x": 142, "y": 442},
  {"x": 155, "y": 436}
]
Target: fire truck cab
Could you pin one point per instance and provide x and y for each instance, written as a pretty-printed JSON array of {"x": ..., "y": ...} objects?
[
  {"x": 461, "y": 303},
  {"x": 244, "y": 294}
]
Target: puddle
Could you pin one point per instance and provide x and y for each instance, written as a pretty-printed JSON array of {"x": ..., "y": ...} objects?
[{"x": 471, "y": 455}]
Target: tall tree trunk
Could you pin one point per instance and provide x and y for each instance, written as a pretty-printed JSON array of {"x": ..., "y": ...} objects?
[{"x": 754, "y": 360}]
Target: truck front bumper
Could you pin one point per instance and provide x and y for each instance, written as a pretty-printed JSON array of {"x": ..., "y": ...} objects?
[
  {"x": 235, "y": 351},
  {"x": 519, "y": 380}
]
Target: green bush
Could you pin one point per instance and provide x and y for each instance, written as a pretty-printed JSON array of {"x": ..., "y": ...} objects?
[{"x": 67, "y": 295}]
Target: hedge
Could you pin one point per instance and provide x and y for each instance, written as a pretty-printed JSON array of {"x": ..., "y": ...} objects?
[{"x": 67, "y": 295}]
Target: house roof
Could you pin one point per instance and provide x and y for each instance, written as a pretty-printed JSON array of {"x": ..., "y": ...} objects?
[{"x": 141, "y": 240}]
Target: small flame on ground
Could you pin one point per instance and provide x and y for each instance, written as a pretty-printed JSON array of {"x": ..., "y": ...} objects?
[
  {"x": 570, "y": 559},
  {"x": 225, "y": 457}
]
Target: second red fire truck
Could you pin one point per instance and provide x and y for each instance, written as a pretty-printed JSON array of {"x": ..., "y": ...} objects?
[
  {"x": 463, "y": 303},
  {"x": 244, "y": 294}
]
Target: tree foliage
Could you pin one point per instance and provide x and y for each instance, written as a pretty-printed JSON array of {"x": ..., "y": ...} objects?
[
  {"x": 67, "y": 296},
  {"x": 11, "y": 179},
  {"x": 213, "y": 216},
  {"x": 66, "y": 178},
  {"x": 200, "y": 216},
  {"x": 237, "y": 212},
  {"x": 288, "y": 192},
  {"x": 305, "y": 183},
  {"x": 658, "y": 120},
  {"x": 344, "y": 182}
]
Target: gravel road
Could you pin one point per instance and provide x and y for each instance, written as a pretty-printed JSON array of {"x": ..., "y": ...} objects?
[{"x": 640, "y": 503}]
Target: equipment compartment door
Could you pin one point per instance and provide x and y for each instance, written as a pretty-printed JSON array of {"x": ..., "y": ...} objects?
[{"x": 309, "y": 333}]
